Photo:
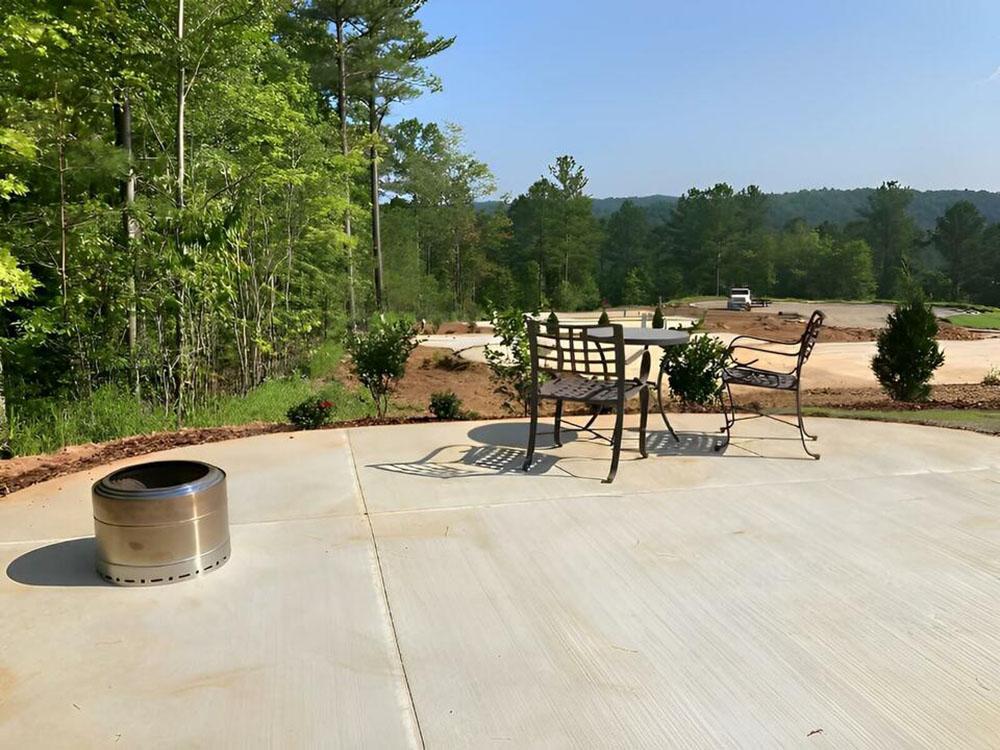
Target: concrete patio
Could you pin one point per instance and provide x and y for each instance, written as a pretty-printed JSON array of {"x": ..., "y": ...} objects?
[{"x": 409, "y": 586}]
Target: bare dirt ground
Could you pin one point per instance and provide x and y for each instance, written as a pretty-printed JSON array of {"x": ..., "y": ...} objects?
[
  {"x": 430, "y": 370},
  {"x": 774, "y": 325},
  {"x": 840, "y": 314}
]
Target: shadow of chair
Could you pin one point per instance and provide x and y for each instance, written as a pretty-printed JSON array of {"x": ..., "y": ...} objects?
[
  {"x": 692, "y": 444},
  {"x": 69, "y": 563},
  {"x": 474, "y": 461},
  {"x": 509, "y": 434}
]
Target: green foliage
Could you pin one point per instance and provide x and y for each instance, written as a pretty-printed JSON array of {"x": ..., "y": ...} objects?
[
  {"x": 992, "y": 377},
  {"x": 604, "y": 320},
  {"x": 378, "y": 358},
  {"x": 891, "y": 233},
  {"x": 271, "y": 400},
  {"x": 907, "y": 352},
  {"x": 958, "y": 236},
  {"x": 554, "y": 240},
  {"x": 982, "y": 320},
  {"x": 326, "y": 359},
  {"x": 110, "y": 412},
  {"x": 446, "y": 405},
  {"x": 636, "y": 290},
  {"x": 658, "y": 317},
  {"x": 822, "y": 206},
  {"x": 311, "y": 414},
  {"x": 694, "y": 369},
  {"x": 14, "y": 281},
  {"x": 45, "y": 425},
  {"x": 510, "y": 362}
]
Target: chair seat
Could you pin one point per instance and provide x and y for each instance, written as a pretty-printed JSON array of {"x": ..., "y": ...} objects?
[
  {"x": 576, "y": 388},
  {"x": 759, "y": 378}
]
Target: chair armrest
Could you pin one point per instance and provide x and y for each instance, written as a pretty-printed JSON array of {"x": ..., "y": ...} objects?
[
  {"x": 733, "y": 347},
  {"x": 796, "y": 342}
]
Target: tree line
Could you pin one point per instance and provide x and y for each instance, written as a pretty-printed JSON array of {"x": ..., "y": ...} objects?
[
  {"x": 189, "y": 189},
  {"x": 546, "y": 249}
]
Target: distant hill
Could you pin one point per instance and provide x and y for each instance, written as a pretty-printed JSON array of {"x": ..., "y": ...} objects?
[{"x": 817, "y": 206}]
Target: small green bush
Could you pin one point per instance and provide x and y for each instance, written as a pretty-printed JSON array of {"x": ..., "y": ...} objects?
[
  {"x": 510, "y": 363},
  {"x": 446, "y": 405},
  {"x": 311, "y": 414},
  {"x": 658, "y": 317},
  {"x": 992, "y": 377},
  {"x": 378, "y": 358},
  {"x": 552, "y": 323},
  {"x": 604, "y": 320},
  {"x": 693, "y": 370},
  {"x": 907, "y": 353}
]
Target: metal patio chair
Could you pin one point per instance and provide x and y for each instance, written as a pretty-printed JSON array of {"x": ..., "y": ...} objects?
[
  {"x": 739, "y": 372},
  {"x": 582, "y": 370}
]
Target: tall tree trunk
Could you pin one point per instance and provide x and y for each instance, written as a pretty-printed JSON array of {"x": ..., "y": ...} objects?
[
  {"x": 181, "y": 102},
  {"x": 63, "y": 224},
  {"x": 5, "y": 451},
  {"x": 373, "y": 128},
  {"x": 179, "y": 327},
  {"x": 130, "y": 228},
  {"x": 345, "y": 149}
]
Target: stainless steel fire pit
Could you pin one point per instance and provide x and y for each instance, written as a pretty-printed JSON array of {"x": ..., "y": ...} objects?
[{"x": 161, "y": 522}]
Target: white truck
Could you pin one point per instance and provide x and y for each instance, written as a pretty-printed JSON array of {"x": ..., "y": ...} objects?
[{"x": 739, "y": 299}]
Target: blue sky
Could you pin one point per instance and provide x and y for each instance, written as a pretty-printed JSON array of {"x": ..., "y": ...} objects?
[{"x": 656, "y": 97}]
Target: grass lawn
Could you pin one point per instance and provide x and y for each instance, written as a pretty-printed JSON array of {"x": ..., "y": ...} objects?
[
  {"x": 983, "y": 320},
  {"x": 978, "y": 420}
]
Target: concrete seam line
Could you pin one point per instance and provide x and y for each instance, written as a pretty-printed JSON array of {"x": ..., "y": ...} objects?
[{"x": 385, "y": 595}]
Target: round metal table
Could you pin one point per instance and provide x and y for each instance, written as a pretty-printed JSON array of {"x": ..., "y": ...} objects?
[{"x": 647, "y": 337}]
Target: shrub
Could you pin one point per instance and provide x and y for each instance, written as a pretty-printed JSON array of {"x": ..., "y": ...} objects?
[
  {"x": 604, "y": 320},
  {"x": 311, "y": 414},
  {"x": 658, "y": 317},
  {"x": 510, "y": 363},
  {"x": 446, "y": 405},
  {"x": 693, "y": 370},
  {"x": 906, "y": 352},
  {"x": 378, "y": 358},
  {"x": 992, "y": 377},
  {"x": 552, "y": 323}
]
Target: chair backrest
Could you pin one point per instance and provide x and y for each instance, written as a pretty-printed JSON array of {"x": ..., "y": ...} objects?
[
  {"x": 569, "y": 349},
  {"x": 809, "y": 336}
]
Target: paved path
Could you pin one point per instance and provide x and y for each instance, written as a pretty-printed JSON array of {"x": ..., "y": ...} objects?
[{"x": 409, "y": 586}]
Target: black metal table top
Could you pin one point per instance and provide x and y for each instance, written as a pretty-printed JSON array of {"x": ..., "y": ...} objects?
[{"x": 642, "y": 336}]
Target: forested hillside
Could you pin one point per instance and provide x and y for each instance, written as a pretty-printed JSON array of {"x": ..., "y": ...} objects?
[{"x": 818, "y": 206}]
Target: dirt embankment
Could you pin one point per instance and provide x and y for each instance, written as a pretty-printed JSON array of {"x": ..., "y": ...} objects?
[{"x": 789, "y": 327}]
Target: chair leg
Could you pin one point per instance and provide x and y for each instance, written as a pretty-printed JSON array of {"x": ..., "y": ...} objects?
[
  {"x": 644, "y": 415},
  {"x": 558, "y": 423},
  {"x": 798, "y": 410},
  {"x": 616, "y": 443},
  {"x": 659, "y": 403},
  {"x": 532, "y": 432},
  {"x": 727, "y": 407},
  {"x": 802, "y": 427}
]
